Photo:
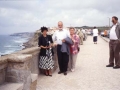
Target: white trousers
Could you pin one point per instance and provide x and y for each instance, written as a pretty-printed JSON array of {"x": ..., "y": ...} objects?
[{"x": 72, "y": 61}]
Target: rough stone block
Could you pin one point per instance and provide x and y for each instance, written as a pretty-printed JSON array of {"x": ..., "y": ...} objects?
[
  {"x": 19, "y": 65},
  {"x": 17, "y": 76},
  {"x": 2, "y": 75},
  {"x": 35, "y": 63},
  {"x": 3, "y": 67}
]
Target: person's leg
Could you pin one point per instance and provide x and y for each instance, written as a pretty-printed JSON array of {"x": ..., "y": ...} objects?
[
  {"x": 65, "y": 62},
  {"x": 84, "y": 37},
  {"x": 50, "y": 72},
  {"x": 111, "y": 59},
  {"x": 70, "y": 62},
  {"x": 74, "y": 58},
  {"x": 46, "y": 72},
  {"x": 96, "y": 39},
  {"x": 81, "y": 40},
  {"x": 59, "y": 54},
  {"x": 116, "y": 52}
]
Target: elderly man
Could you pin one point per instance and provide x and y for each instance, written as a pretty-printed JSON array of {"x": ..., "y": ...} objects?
[
  {"x": 114, "y": 44},
  {"x": 59, "y": 38}
]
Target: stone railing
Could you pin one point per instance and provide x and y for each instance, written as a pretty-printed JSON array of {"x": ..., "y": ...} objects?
[{"x": 21, "y": 69}]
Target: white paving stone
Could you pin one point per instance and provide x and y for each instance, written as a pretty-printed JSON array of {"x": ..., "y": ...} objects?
[{"x": 90, "y": 74}]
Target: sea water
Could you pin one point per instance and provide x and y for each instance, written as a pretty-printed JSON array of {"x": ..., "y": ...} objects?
[{"x": 10, "y": 44}]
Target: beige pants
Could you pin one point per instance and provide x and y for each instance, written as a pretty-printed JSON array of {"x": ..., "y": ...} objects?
[
  {"x": 72, "y": 61},
  {"x": 81, "y": 40}
]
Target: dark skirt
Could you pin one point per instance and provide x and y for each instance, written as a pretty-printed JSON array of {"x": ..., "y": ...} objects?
[{"x": 95, "y": 39}]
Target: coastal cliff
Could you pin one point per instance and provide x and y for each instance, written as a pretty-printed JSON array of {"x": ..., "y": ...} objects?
[{"x": 33, "y": 41}]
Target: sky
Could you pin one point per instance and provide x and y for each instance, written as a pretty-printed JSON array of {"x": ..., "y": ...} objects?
[{"x": 30, "y": 15}]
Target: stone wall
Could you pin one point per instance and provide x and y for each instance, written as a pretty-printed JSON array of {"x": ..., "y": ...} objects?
[
  {"x": 21, "y": 66},
  {"x": 3, "y": 68}
]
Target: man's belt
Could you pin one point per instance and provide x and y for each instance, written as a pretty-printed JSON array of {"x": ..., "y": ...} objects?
[
  {"x": 113, "y": 40},
  {"x": 59, "y": 44}
]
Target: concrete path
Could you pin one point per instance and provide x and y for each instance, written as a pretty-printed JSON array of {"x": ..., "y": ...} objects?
[
  {"x": 106, "y": 39},
  {"x": 90, "y": 74}
]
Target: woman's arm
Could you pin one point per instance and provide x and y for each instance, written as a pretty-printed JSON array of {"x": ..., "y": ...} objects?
[
  {"x": 43, "y": 47},
  {"x": 51, "y": 40}
]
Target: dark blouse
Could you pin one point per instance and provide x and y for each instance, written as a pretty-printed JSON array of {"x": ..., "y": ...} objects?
[{"x": 44, "y": 41}]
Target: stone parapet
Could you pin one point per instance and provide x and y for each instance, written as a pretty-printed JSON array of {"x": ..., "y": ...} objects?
[
  {"x": 21, "y": 67},
  {"x": 3, "y": 67},
  {"x": 18, "y": 67}
]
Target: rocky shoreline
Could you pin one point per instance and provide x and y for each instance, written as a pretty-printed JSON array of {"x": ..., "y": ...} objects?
[{"x": 33, "y": 41}]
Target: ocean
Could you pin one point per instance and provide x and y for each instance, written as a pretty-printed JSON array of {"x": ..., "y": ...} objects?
[{"x": 10, "y": 44}]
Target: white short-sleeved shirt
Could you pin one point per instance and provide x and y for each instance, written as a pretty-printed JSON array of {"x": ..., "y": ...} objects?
[
  {"x": 95, "y": 32},
  {"x": 59, "y": 35},
  {"x": 113, "y": 35}
]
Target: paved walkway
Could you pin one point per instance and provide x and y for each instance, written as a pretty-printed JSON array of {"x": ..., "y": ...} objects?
[
  {"x": 90, "y": 74},
  {"x": 105, "y": 38}
]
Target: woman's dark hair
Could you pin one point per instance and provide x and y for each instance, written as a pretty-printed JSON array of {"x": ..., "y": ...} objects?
[
  {"x": 116, "y": 18},
  {"x": 43, "y": 29}
]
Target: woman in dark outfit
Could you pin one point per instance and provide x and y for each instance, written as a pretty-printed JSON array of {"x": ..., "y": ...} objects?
[{"x": 46, "y": 53}]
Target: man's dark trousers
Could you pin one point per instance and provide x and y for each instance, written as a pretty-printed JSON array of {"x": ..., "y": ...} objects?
[
  {"x": 114, "y": 46},
  {"x": 63, "y": 59}
]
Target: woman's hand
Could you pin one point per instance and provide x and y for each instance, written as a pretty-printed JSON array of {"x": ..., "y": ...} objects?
[
  {"x": 63, "y": 40},
  {"x": 49, "y": 47},
  {"x": 44, "y": 47},
  {"x": 55, "y": 44}
]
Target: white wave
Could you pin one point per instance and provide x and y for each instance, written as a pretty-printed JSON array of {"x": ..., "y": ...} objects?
[
  {"x": 22, "y": 46},
  {"x": 7, "y": 52},
  {"x": 10, "y": 46},
  {"x": 20, "y": 41}
]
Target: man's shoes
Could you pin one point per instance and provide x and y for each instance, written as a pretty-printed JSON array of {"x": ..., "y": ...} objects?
[
  {"x": 116, "y": 67},
  {"x": 110, "y": 65},
  {"x": 65, "y": 73},
  {"x": 60, "y": 72}
]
